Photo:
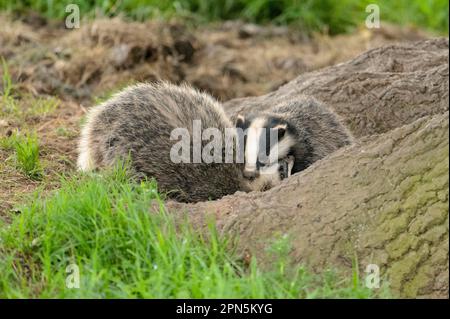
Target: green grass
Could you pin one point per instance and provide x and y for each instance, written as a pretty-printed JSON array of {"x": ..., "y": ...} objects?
[
  {"x": 26, "y": 146},
  {"x": 26, "y": 151},
  {"x": 42, "y": 107},
  {"x": 335, "y": 16},
  {"x": 103, "y": 225},
  {"x": 27, "y": 154},
  {"x": 28, "y": 107},
  {"x": 22, "y": 107},
  {"x": 8, "y": 142}
]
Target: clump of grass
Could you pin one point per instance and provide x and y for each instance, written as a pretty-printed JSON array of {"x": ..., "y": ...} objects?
[
  {"x": 103, "y": 226},
  {"x": 27, "y": 154},
  {"x": 26, "y": 149},
  {"x": 42, "y": 106},
  {"x": 8, "y": 142},
  {"x": 28, "y": 106}
]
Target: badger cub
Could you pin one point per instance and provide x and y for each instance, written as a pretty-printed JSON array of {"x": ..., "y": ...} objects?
[
  {"x": 306, "y": 131},
  {"x": 138, "y": 122}
]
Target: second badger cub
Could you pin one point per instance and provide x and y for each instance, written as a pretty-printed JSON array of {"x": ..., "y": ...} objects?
[
  {"x": 138, "y": 122},
  {"x": 307, "y": 131}
]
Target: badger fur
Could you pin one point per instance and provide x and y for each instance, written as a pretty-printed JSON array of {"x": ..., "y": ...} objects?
[
  {"x": 138, "y": 121},
  {"x": 306, "y": 131}
]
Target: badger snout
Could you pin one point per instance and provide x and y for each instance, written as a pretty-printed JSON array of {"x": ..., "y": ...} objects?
[{"x": 250, "y": 174}]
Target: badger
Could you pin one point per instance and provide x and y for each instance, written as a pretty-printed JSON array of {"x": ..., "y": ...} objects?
[
  {"x": 136, "y": 125},
  {"x": 305, "y": 131}
]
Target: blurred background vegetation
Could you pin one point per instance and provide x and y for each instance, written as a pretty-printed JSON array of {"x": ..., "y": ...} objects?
[{"x": 331, "y": 16}]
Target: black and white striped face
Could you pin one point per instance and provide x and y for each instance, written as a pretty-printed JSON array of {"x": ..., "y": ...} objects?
[{"x": 267, "y": 143}]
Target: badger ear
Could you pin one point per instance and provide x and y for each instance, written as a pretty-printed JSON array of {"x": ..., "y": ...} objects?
[
  {"x": 281, "y": 129},
  {"x": 240, "y": 121}
]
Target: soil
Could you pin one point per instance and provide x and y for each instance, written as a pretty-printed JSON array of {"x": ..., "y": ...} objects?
[{"x": 83, "y": 66}]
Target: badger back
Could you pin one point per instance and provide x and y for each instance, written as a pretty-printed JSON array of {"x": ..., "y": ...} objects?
[{"x": 139, "y": 121}]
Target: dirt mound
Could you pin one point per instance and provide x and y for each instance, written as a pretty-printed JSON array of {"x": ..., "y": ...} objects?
[
  {"x": 381, "y": 89},
  {"x": 383, "y": 200}
]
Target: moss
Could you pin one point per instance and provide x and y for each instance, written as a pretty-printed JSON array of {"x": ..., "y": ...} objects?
[
  {"x": 434, "y": 234},
  {"x": 403, "y": 270},
  {"x": 412, "y": 288},
  {"x": 435, "y": 215},
  {"x": 393, "y": 227},
  {"x": 401, "y": 245},
  {"x": 421, "y": 197},
  {"x": 408, "y": 184}
]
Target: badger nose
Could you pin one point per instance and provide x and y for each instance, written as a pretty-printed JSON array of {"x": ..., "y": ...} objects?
[{"x": 250, "y": 174}]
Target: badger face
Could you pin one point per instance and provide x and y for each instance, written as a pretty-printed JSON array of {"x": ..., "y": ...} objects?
[{"x": 267, "y": 144}]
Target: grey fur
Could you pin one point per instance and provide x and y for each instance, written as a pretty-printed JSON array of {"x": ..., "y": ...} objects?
[{"x": 138, "y": 122}]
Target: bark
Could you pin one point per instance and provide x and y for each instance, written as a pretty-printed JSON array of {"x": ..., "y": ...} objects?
[
  {"x": 381, "y": 89},
  {"x": 383, "y": 200}
]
